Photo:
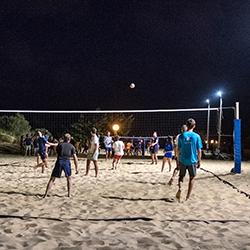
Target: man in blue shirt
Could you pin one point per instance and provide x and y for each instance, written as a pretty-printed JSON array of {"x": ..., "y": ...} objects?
[
  {"x": 189, "y": 147},
  {"x": 108, "y": 145},
  {"x": 42, "y": 151}
]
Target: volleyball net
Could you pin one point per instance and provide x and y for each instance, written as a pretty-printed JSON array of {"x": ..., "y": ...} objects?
[{"x": 132, "y": 124}]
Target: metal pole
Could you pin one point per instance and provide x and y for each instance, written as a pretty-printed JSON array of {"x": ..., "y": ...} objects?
[
  {"x": 237, "y": 111},
  {"x": 219, "y": 127},
  {"x": 208, "y": 124},
  {"x": 237, "y": 140}
]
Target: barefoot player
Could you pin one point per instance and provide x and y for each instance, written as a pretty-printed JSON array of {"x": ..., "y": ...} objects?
[
  {"x": 93, "y": 152},
  {"x": 154, "y": 147},
  {"x": 108, "y": 145},
  {"x": 169, "y": 147},
  {"x": 176, "y": 152},
  {"x": 189, "y": 146},
  {"x": 118, "y": 147},
  {"x": 65, "y": 151},
  {"x": 43, "y": 144}
]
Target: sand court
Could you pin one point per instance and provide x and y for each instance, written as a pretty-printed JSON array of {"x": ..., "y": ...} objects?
[{"x": 130, "y": 208}]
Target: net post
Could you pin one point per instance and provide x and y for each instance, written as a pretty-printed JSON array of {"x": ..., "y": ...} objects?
[{"x": 237, "y": 141}]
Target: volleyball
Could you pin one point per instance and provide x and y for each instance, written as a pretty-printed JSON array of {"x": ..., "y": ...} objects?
[{"x": 132, "y": 85}]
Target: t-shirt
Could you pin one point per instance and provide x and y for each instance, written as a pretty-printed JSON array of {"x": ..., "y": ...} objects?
[
  {"x": 65, "y": 150},
  {"x": 188, "y": 144},
  {"x": 35, "y": 143},
  {"x": 93, "y": 142},
  {"x": 41, "y": 142},
  {"x": 156, "y": 141},
  {"x": 27, "y": 141},
  {"x": 108, "y": 141},
  {"x": 176, "y": 140},
  {"x": 118, "y": 147},
  {"x": 169, "y": 147}
]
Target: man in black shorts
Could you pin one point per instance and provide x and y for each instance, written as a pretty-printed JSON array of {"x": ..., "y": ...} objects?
[{"x": 64, "y": 150}]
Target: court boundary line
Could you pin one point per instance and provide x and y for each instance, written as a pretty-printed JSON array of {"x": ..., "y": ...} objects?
[
  {"x": 226, "y": 182},
  {"x": 24, "y": 217}
]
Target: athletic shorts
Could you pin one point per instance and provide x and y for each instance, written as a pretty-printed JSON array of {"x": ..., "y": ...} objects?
[
  {"x": 92, "y": 157},
  {"x": 36, "y": 150},
  {"x": 43, "y": 155},
  {"x": 191, "y": 170},
  {"x": 168, "y": 155},
  {"x": 154, "y": 149},
  {"x": 62, "y": 165},
  {"x": 177, "y": 163},
  {"x": 117, "y": 157},
  {"x": 28, "y": 147},
  {"x": 108, "y": 149}
]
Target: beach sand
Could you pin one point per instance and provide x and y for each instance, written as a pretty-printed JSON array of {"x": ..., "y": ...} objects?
[{"x": 130, "y": 208}]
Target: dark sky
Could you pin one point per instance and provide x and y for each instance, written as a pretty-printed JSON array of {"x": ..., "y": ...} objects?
[{"x": 84, "y": 54}]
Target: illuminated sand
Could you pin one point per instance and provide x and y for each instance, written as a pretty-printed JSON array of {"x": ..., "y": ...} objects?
[{"x": 216, "y": 217}]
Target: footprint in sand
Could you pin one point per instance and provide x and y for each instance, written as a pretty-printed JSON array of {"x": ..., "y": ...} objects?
[
  {"x": 31, "y": 225},
  {"x": 8, "y": 231},
  {"x": 178, "y": 195},
  {"x": 146, "y": 242},
  {"x": 12, "y": 211},
  {"x": 62, "y": 228}
]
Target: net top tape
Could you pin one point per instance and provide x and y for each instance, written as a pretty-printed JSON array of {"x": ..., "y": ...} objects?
[{"x": 112, "y": 111}]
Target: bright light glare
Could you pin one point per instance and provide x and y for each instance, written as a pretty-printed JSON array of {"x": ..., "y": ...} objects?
[
  {"x": 207, "y": 101},
  {"x": 219, "y": 93},
  {"x": 115, "y": 127}
]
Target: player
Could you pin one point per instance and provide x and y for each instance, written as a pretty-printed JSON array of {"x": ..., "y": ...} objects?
[
  {"x": 36, "y": 148},
  {"x": 28, "y": 145},
  {"x": 108, "y": 145},
  {"x": 64, "y": 150},
  {"x": 93, "y": 152},
  {"x": 169, "y": 147},
  {"x": 189, "y": 147},
  {"x": 43, "y": 144},
  {"x": 183, "y": 129},
  {"x": 154, "y": 147},
  {"x": 118, "y": 147},
  {"x": 129, "y": 147}
]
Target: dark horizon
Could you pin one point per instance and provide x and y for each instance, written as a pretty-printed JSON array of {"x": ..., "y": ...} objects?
[{"x": 83, "y": 55}]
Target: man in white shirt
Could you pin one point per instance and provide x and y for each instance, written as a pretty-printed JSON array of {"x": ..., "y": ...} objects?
[
  {"x": 118, "y": 147},
  {"x": 93, "y": 152}
]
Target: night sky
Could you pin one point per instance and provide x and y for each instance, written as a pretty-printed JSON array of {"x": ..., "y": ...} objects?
[{"x": 82, "y": 55}]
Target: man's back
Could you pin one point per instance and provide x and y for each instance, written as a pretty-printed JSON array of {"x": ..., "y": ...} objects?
[
  {"x": 42, "y": 142},
  {"x": 188, "y": 144},
  {"x": 65, "y": 150},
  {"x": 118, "y": 148}
]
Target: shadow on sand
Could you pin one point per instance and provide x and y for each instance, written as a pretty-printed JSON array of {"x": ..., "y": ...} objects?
[
  {"x": 139, "y": 199},
  {"x": 27, "y": 194}
]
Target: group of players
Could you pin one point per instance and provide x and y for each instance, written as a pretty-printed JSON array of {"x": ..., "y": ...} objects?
[
  {"x": 187, "y": 148},
  {"x": 65, "y": 150}
]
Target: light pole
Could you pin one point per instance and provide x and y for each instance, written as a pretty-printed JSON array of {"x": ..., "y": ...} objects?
[
  {"x": 219, "y": 93},
  {"x": 208, "y": 122}
]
